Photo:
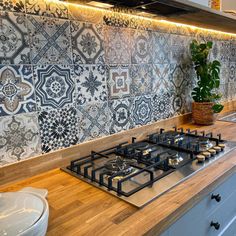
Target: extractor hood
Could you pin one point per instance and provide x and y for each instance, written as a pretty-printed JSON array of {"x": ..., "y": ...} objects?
[
  {"x": 178, "y": 11},
  {"x": 154, "y": 7}
]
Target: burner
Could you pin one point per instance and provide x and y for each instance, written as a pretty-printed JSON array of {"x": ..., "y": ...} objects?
[
  {"x": 119, "y": 166},
  {"x": 204, "y": 142},
  {"x": 175, "y": 158},
  {"x": 140, "y": 145}
]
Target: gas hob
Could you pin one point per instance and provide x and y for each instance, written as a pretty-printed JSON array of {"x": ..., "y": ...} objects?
[{"x": 140, "y": 171}]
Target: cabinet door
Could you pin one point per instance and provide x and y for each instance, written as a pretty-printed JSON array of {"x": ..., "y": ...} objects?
[
  {"x": 197, "y": 221},
  {"x": 230, "y": 229}
]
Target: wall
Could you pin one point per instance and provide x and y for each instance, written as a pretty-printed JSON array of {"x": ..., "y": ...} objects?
[{"x": 70, "y": 74}]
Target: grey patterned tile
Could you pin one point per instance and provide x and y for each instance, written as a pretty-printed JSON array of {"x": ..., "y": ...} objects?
[
  {"x": 141, "y": 46},
  {"x": 161, "y": 78},
  {"x": 180, "y": 52},
  {"x": 142, "y": 110},
  {"x": 225, "y": 51},
  {"x": 161, "y": 106},
  {"x": 91, "y": 83},
  {"x": 223, "y": 89},
  {"x": 232, "y": 72},
  {"x": 233, "y": 51},
  {"x": 14, "y": 42},
  {"x": 231, "y": 91},
  {"x": 94, "y": 121},
  {"x": 179, "y": 78},
  {"x": 119, "y": 81},
  {"x": 120, "y": 115},
  {"x": 117, "y": 45},
  {"x": 47, "y": 8},
  {"x": 19, "y": 138},
  {"x": 16, "y": 90},
  {"x": 54, "y": 85},
  {"x": 215, "y": 52},
  {"x": 58, "y": 128},
  {"x": 87, "y": 43},
  {"x": 141, "y": 76},
  {"x": 12, "y": 5},
  {"x": 49, "y": 40},
  {"x": 225, "y": 72},
  {"x": 161, "y": 48}
]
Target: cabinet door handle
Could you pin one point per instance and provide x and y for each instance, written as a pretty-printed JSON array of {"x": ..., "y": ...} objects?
[
  {"x": 217, "y": 197},
  {"x": 216, "y": 225}
]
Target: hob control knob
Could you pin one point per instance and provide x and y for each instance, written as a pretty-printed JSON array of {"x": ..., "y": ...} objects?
[
  {"x": 217, "y": 197},
  {"x": 216, "y": 225},
  {"x": 217, "y": 148},
  {"x": 212, "y": 151},
  {"x": 206, "y": 154},
  {"x": 222, "y": 146},
  {"x": 201, "y": 158}
]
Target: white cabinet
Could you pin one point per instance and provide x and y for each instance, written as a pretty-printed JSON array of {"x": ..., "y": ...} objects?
[
  {"x": 214, "y": 215},
  {"x": 201, "y": 2}
]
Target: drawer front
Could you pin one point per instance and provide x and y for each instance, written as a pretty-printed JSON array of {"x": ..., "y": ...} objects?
[
  {"x": 223, "y": 215},
  {"x": 230, "y": 229},
  {"x": 224, "y": 191},
  {"x": 197, "y": 220}
]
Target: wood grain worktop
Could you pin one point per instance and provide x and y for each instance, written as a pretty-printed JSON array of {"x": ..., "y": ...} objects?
[{"x": 77, "y": 208}]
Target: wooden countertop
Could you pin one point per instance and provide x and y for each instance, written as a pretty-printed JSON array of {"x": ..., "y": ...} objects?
[{"x": 77, "y": 208}]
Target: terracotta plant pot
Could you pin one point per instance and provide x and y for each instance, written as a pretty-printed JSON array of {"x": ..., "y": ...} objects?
[{"x": 203, "y": 114}]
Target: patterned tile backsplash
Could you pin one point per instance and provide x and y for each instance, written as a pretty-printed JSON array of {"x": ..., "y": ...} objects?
[{"x": 69, "y": 74}]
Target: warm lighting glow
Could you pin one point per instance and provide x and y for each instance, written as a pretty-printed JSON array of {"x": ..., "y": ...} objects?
[
  {"x": 146, "y": 17},
  {"x": 196, "y": 27},
  {"x": 100, "y": 4}
]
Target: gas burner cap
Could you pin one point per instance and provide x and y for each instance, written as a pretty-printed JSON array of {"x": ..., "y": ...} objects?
[
  {"x": 174, "y": 158},
  {"x": 140, "y": 145},
  {"x": 119, "y": 165}
]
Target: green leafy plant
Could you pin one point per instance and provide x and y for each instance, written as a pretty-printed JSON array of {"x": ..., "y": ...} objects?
[{"x": 208, "y": 79}]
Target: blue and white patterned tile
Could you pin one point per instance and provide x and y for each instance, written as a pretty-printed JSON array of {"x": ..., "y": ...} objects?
[
  {"x": 19, "y": 138},
  {"x": 141, "y": 46},
  {"x": 94, "y": 121},
  {"x": 91, "y": 84},
  {"x": 14, "y": 41},
  {"x": 180, "y": 52},
  {"x": 87, "y": 43},
  {"x": 48, "y": 8},
  {"x": 16, "y": 90},
  {"x": 49, "y": 40},
  {"x": 161, "y": 78},
  {"x": 161, "y": 106},
  {"x": 58, "y": 128},
  {"x": 161, "y": 48},
  {"x": 142, "y": 110},
  {"x": 120, "y": 115},
  {"x": 142, "y": 76},
  {"x": 12, "y": 6},
  {"x": 119, "y": 81},
  {"x": 117, "y": 45},
  {"x": 54, "y": 86}
]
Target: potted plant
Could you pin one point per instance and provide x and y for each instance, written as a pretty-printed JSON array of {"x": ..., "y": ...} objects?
[{"x": 206, "y": 104}]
